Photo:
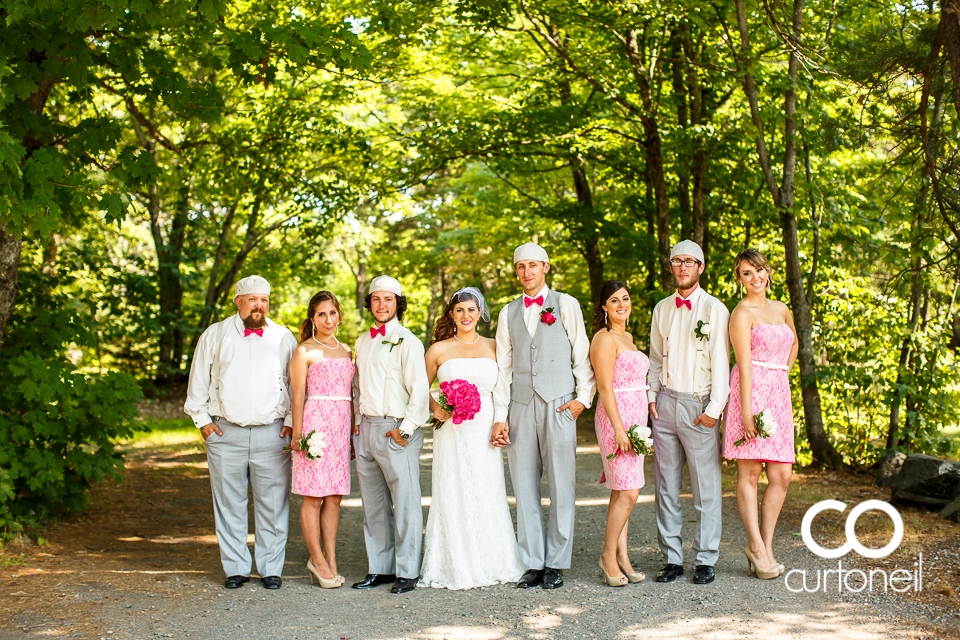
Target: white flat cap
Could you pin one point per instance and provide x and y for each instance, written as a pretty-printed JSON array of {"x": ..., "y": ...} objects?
[
  {"x": 385, "y": 283},
  {"x": 687, "y": 248},
  {"x": 530, "y": 251},
  {"x": 252, "y": 285}
]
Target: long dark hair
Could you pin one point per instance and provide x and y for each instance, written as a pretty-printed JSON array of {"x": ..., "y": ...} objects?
[
  {"x": 600, "y": 320},
  {"x": 401, "y": 305},
  {"x": 306, "y": 327}
]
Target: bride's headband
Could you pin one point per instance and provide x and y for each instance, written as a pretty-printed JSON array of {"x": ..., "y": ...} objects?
[{"x": 474, "y": 293}]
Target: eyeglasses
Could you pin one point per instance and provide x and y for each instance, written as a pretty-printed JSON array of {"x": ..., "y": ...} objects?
[{"x": 686, "y": 263}]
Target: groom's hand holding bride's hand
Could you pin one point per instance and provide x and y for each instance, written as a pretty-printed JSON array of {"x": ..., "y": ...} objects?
[
  {"x": 501, "y": 435},
  {"x": 576, "y": 408}
]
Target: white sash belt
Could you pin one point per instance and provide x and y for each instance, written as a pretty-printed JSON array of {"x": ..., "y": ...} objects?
[
  {"x": 334, "y": 398},
  {"x": 770, "y": 365},
  {"x": 643, "y": 388}
]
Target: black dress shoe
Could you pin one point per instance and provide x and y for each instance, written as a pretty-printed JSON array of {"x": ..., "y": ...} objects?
[
  {"x": 403, "y": 585},
  {"x": 703, "y": 574},
  {"x": 530, "y": 578},
  {"x": 552, "y": 578},
  {"x": 235, "y": 582},
  {"x": 669, "y": 572},
  {"x": 375, "y": 580},
  {"x": 271, "y": 582}
]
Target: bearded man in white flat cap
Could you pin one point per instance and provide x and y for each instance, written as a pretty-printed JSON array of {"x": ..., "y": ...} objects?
[
  {"x": 239, "y": 398},
  {"x": 689, "y": 384},
  {"x": 544, "y": 354},
  {"x": 394, "y": 402}
]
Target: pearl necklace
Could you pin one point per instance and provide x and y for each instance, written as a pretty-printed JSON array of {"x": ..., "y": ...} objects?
[
  {"x": 327, "y": 346},
  {"x": 462, "y": 342}
]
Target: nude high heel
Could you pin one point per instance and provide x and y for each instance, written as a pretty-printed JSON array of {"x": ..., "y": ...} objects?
[
  {"x": 763, "y": 573},
  {"x": 333, "y": 583},
  {"x": 609, "y": 579},
  {"x": 634, "y": 576}
]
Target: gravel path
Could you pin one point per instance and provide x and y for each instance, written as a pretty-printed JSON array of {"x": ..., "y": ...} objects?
[{"x": 116, "y": 595}]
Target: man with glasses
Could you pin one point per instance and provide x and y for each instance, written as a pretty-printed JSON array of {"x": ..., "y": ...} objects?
[{"x": 689, "y": 385}]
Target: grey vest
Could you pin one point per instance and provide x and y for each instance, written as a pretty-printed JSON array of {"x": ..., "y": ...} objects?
[{"x": 541, "y": 364}]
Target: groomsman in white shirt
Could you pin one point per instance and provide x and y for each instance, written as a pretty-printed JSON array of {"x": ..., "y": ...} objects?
[
  {"x": 689, "y": 384},
  {"x": 393, "y": 403},
  {"x": 239, "y": 398}
]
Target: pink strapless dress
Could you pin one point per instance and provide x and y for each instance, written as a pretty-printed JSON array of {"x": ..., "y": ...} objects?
[
  {"x": 327, "y": 409},
  {"x": 624, "y": 471},
  {"x": 770, "y": 346}
]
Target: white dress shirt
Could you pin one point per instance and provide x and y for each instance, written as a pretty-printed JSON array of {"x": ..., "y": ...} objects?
[
  {"x": 572, "y": 319},
  {"x": 254, "y": 375},
  {"x": 392, "y": 382},
  {"x": 693, "y": 365}
]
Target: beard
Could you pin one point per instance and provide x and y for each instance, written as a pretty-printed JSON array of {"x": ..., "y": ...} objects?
[
  {"x": 255, "y": 320},
  {"x": 689, "y": 281}
]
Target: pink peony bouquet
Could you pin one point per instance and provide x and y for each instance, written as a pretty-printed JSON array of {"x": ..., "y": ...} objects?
[{"x": 460, "y": 398}]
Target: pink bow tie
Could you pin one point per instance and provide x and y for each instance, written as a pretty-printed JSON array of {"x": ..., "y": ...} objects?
[
  {"x": 529, "y": 301},
  {"x": 382, "y": 330},
  {"x": 683, "y": 303},
  {"x": 259, "y": 332}
]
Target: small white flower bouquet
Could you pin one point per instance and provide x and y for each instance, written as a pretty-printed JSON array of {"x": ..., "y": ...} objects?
[
  {"x": 766, "y": 427},
  {"x": 312, "y": 445},
  {"x": 393, "y": 340},
  {"x": 702, "y": 330},
  {"x": 642, "y": 440}
]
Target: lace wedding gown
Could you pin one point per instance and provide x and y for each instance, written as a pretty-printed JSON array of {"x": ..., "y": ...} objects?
[{"x": 470, "y": 541}]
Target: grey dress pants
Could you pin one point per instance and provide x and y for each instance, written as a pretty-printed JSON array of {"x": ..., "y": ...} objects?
[
  {"x": 677, "y": 441},
  {"x": 242, "y": 458},
  {"x": 544, "y": 440},
  {"x": 389, "y": 477}
]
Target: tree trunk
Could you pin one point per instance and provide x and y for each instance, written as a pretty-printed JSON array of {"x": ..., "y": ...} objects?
[
  {"x": 10, "y": 244},
  {"x": 654, "y": 157},
  {"x": 683, "y": 121},
  {"x": 11, "y": 240},
  {"x": 950, "y": 16},
  {"x": 783, "y": 198}
]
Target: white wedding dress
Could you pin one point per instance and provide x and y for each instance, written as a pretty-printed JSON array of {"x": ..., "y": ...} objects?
[{"x": 470, "y": 541}]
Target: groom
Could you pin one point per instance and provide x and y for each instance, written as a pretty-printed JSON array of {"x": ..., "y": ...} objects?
[
  {"x": 544, "y": 354},
  {"x": 689, "y": 384},
  {"x": 393, "y": 403}
]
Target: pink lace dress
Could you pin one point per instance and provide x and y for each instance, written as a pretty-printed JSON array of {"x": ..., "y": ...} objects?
[
  {"x": 327, "y": 409},
  {"x": 770, "y": 346},
  {"x": 624, "y": 471}
]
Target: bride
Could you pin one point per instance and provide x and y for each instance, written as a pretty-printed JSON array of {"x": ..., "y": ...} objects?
[{"x": 470, "y": 541}]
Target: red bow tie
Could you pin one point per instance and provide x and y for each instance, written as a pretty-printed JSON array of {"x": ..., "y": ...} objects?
[
  {"x": 683, "y": 303},
  {"x": 529, "y": 301},
  {"x": 247, "y": 332},
  {"x": 382, "y": 330}
]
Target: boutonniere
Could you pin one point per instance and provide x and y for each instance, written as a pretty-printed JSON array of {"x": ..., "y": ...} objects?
[
  {"x": 702, "y": 332},
  {"x": 547, "y": 317},
  {"x": 393, "y": 340}
]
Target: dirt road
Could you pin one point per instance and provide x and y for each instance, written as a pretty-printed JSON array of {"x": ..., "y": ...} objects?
[{"x": 143, "y": 563}]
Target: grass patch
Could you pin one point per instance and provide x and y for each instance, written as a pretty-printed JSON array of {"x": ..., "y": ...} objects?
[{"x": 160, "y": 433}]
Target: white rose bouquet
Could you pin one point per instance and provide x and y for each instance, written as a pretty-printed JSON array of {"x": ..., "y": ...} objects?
[
  {"x": 766, "y": 427},
  {"x": 642, "y": 440},
  {"x": 312, "y": 445}
]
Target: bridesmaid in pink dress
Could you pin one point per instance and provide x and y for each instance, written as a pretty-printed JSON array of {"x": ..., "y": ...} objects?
[
  {"x": 321, "y": 376},
  {"x": 621, "y": 372},
  {"x": 765, "y": 343}
]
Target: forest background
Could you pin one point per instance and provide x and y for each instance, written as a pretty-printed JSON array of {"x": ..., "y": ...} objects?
[{"x": 153, "y": 152}]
